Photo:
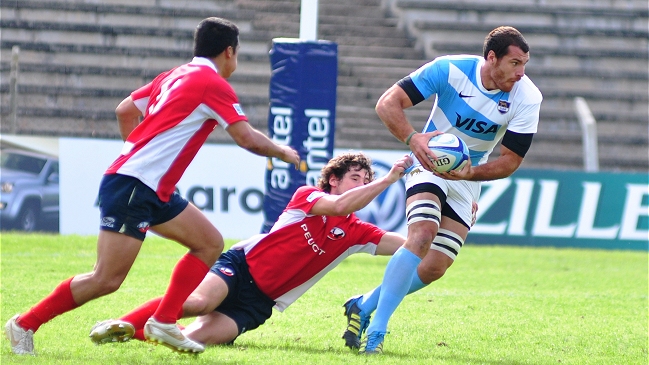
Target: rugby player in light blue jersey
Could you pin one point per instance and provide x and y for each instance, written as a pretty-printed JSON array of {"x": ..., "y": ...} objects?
[{"x": 482, "y": 100}]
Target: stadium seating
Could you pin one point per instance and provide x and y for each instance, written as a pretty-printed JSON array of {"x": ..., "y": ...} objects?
[
  {"x": 80, "y": 58},
  {"x": 594, "y": 49}
]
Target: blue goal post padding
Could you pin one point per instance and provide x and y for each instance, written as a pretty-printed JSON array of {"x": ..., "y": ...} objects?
[{"x": 302, "y": 114}]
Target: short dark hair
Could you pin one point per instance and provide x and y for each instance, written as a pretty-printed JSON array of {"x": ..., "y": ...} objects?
[
  {"x": 339, "y": 165},
  {"x": 499, "y": 40},
  {"x": 213, "y": 36}
]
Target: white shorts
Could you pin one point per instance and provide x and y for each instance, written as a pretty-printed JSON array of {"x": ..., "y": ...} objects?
[{"x": 460, "y": 194}]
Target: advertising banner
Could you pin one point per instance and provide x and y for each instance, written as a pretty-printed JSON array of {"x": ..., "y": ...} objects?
[
  {"x": 540, "y": 208},
  {"x": 301, "y": 115},
  {"x": 531, "y": 208},
  {"x": 565, "y": 208},
  {"x": 225, "y": 182}
]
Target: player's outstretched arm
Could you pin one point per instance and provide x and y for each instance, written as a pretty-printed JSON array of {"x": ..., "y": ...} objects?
[
  {"x": 389, "y": 244},
  {"x": 359, "y": 197},
  {"x": 258, "y": 143}
]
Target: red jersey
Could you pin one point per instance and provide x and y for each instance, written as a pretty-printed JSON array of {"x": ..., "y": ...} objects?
[
  {"x": 181, "y": 107},
  {"x": 301, "y": 247}
]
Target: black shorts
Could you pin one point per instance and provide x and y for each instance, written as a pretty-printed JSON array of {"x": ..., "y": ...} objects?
[
  {"x": 245, "y": 303},
  {"x": 128, "y": 206}
]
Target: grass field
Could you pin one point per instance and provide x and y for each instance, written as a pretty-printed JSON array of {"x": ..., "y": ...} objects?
[{"x": 496, "y": 305}]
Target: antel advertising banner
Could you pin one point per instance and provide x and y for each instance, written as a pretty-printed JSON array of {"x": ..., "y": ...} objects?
[
  {"x": 301, "y": 115},
  {"x": 532, "y": 207}
]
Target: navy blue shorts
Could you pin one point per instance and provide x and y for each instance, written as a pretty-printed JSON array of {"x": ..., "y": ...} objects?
[
  {"x": 245, "y": 303},
  {"x": 128, "y": 206}
]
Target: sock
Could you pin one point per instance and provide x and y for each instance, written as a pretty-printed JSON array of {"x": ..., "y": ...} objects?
[
  {"x": 396, "y": 282},
  {"x": 139, "y": 335},
  {"x": 370, "y": 300},
  {"x": 188, "y": 273},
  {"x": 138, "y": 316},
  {"x": 416, "y": 283},
  {"x": 55, "y": 304}
]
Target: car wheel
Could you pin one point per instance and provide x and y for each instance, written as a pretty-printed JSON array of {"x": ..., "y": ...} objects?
[{"x": 27, "y": 219}]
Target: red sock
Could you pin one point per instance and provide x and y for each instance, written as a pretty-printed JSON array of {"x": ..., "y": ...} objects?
[
  {"x": 57, "y": 303},
  {"x": 188, "y": 273},
  {"x": 139, "y": 335},
  {"x": 141, "y": 314}
]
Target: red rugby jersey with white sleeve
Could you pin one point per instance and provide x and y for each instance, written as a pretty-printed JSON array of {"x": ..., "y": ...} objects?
[
  {"x": 301, "y": 247},
  {"x": 181, "y": 107}
]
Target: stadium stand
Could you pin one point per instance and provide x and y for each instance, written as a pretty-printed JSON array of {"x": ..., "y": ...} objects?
[
  {"x": 594, "y": 49},
  {"x": 80, "y": 58}
]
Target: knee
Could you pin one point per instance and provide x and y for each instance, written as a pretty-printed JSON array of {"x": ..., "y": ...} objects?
[
  {"x": 215, "y": 242},
  {"x": 422, "y": 234},
  {"x": 107, "y": 285},
  {"x": 208, "y": 247},
  {"x": 196, "y": 305}
]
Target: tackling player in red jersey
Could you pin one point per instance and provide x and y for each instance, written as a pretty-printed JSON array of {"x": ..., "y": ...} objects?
[
  {"x": 317, "y": 230},
  {"x": 180, "y": 108}
]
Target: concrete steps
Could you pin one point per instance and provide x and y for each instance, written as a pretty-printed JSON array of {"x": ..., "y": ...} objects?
[{"x": 79, "y": 58}]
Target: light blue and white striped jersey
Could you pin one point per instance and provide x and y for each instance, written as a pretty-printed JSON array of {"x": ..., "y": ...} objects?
[{"x": 465, "y": 108}]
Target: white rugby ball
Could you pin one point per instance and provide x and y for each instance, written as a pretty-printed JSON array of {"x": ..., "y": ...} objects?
[{"x": 450, "y": 150}]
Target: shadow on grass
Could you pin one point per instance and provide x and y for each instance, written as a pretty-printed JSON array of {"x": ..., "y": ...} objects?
[{"x": 412, "y": 357}]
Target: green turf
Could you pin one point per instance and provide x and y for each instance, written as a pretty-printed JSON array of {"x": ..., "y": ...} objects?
[{"x": 496, "y": 305}]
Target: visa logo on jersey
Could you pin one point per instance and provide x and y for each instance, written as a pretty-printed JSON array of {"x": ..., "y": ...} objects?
[{"x": 476, "y": 126}]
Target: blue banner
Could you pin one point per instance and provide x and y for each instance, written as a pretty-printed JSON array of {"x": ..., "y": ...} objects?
[{"x": 302, "y": 115}]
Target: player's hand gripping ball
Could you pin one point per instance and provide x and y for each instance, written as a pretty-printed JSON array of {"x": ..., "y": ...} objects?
[{"x": 450, "y": 150}]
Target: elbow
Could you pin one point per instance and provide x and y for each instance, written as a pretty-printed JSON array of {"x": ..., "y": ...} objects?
[
  {"x": 342, "y": 209},
  {"x": 122, "y": 109},
  {"x": 246, "y": 140},
  {"x": 507, "y": 174},
  {"x": 127, "y": 110},
  {"x": 120, "y": 114},
  {"x": 249, "y": 145},
  {"x": 380, "y": 108}
]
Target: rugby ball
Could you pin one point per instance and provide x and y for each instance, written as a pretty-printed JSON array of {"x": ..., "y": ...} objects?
[{"x": 450, "y": 150}]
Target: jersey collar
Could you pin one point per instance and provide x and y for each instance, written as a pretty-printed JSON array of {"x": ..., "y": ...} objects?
[{"x": 202, "y": 61}]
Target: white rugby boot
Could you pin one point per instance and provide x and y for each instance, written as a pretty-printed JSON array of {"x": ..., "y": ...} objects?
[
  {"x": 169, "y": 335},
  {"x": 22, "y": 341}
]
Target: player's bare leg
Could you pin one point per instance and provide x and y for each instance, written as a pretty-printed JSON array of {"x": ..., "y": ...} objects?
[
  {"x": 209, "y": 294},
  {"x": 194, "y": 231},
  {"x": 212, "y": 329},
  {"x": 434, "y": 265},
  {"x": 116, "y": 254}
]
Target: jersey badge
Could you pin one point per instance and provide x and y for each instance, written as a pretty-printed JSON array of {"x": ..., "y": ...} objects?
[
  {"x": 503, "y": 106},
  {"x": 226, "y": 271},
  {"x": 238, "y": 109},
  {"x": 143, "y": 227},
  {"x": 315, "y": 194},
  {"x": 416, "y": 171},
  {"x": 108, "y": 222},
  {"x": 336, "y": 234}
]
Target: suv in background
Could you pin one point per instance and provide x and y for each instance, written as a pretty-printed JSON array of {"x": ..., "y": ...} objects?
[{"x": 29, "y": 190}]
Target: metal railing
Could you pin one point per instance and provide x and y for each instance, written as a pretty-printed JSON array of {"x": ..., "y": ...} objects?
[
  {"x": 588, "y": 134},
  {"x": 13, "y": 88}
]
